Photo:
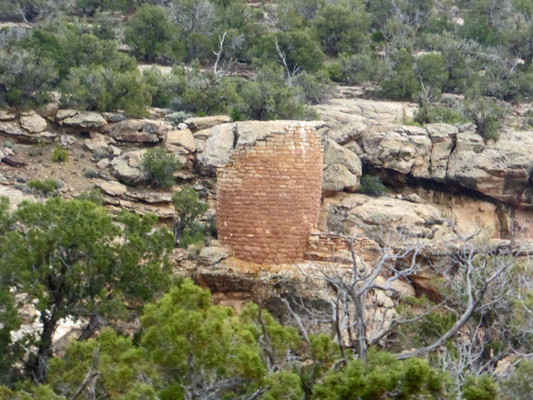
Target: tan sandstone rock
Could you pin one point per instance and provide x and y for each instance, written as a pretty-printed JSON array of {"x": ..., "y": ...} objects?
[{"x": 33, "y": 123}]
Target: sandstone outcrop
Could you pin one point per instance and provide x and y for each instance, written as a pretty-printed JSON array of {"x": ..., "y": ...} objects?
[
  {"x": 80, "y": 119},
  {"x": 502, "y": 170},
  {"x": 138, "y": 131},
  {"x": 180, "y": 142},
  {"x": 200, "y": 123},
  {"x": 342, "y": 169},
  {"x": 128, "y": 168},
  {"x": 33, "y": 123}
]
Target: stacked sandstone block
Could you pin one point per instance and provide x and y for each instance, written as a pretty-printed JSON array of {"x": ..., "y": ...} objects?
[
  {"x": 325, "y": 244},
  {"x": 268, "y": 196}
]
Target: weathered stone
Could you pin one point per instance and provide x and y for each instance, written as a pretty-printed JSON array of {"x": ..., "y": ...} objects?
[
  {"x": 95, "y": 144},
  {"x": 6, "y": 115},
  {"x": 337, "y": 178},
  {"x": 151, "y": 197},
  {"x": 103, "y": 163},
  {"x": 112, "y": 188},
  {"x": 216, "y": 150},
  {"x": 374, "y": 217},
  {"x": 12, "y": 129},
  {"x": 67, "y": 113},
  {"x": 443, "y": 141},
  {"x": 405, "y": 149},
  {"x": 14, "y": 161},
  {"x": 67, "y": 140},
  {"x": 33, "y": 123},
  {"x": 48, "y": 110},
  {"x": 138, "y": 131},
  {"x": 199, "y": 123},
  {"x": 128, "y": 168},
  {"x": 84, "y": 120},
  {"x": 501, "y": 170},
  {"x": 213, "y": 254},
  {"x": 113, "y": 117},
  {"x": 180, "y": 142},
  {"x": 336, "y": 154},
  {"x": 382, "y": 111}
]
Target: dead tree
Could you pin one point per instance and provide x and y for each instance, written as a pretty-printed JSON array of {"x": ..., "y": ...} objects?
[{"x": 478, "y": 279}]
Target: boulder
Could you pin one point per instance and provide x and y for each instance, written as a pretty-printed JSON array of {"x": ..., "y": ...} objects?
[
  {"x": 83, "y": 120},
  {"x": 33, "y": 123},
  {"x": 14, "y": 161},
  {"x": 12, "y": 129},
  {"x": 501, "y": 170},
  {"x": 128, "y": 168},
  {"x": 199, "y": 123},
  {"x": 374, "y": 217},
  {"x": 337, "y": 178},
  {"x": 214, "y": 147},
  {"x": 180, "y": 142},
  {"x": 138, "y": 131},
  {"x": 342, "y": 169},
  {"x": 66, "y": 113},
  {"x": 112, "y": 188},
  {"x": 336, "y": 154},
  {"x": 6, "y": 115},
  {"x": 113, "y": 117},
  {"x": 96, "y": 144},
  {"x": 48, "y": 110},
  {"x": 405, "y": 149},
  {"x": 213, "y": 254}
]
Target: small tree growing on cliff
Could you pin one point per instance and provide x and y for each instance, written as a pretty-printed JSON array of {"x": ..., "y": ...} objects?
[
  {"x": 188, "y": 210},
  {"x": 160, "y": 167},
  {"x": 75, "y": 261}
]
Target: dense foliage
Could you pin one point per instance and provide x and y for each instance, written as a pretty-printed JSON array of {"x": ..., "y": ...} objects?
[
  {"x": 289, "y": 52},
  {"x": 74, "y": 261}
]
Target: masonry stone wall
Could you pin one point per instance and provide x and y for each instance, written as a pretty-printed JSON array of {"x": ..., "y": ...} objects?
[{"x": 268, "y": 196}]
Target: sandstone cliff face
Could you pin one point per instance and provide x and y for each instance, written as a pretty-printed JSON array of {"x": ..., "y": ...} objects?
[{"x": 443, "y": 181}]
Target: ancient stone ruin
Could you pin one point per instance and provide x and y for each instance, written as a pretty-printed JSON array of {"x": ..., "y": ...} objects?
[{"x": 268, "y": 195}]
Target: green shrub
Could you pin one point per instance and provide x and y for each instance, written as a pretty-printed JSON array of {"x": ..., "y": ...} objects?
[
  {"x": 152, "y": 35},
  {"x": 94, "y": 196},
  {"x": 194, "y": 234},
  {"x": 44, "y": 188},
  {"x": 60, "y": 154},
  {"x": 90, "y": 173},
  {"x": 341, "y": 29},
  {"x": 488, "y": 115},
  {"x": 354, "y": 69},
  {"x": 372, "y": 186},
  {"x": 103, "y": 89},
  {"x": 26, "y": 80},
  {"x": 299, "y": 48},
  {"x": 188, "y": 210},
  {"x": 160, "y": 167},
  {"x": 481, "y": 387},
  {"x": 429, "y": 113},
  {"x": 400, "y": 82},
  {"x": 431, "y": 70}
]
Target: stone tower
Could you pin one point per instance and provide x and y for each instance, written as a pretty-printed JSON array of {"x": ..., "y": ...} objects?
[{"x": 268, "y": 195}]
